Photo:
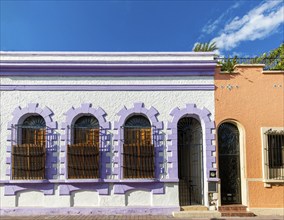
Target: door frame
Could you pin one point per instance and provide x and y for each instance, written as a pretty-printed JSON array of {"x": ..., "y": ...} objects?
[
  {"x": 202, "y": 176},
  {"x": 243, "y": 172}
]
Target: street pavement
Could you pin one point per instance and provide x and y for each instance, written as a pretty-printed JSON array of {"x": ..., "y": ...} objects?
[{"x": 131, "y": 217}]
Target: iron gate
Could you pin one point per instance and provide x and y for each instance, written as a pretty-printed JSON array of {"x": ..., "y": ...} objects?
[
  {"x": 190, "y": 167},
  {"x": 229, "y": 163}
]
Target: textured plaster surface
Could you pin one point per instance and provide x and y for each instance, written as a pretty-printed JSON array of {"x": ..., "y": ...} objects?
[
  {"x": 106, "y": 80},
  {"x": 138, "y": 198},
  {"x": 30, "y": 198},
  {"x": 253, "y": 99},
  {"x": 112, "y": 103},
  {"x": 84, "y": 199}
]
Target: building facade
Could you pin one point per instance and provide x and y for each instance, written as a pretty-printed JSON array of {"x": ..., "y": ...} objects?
[
  {"x": 107, "y": 132},
  {"x": 249, "y": 116}
]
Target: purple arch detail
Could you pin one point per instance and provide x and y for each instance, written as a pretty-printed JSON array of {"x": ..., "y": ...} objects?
[
  {"x": 209, "y": 126},
  {"x": 74, "y": 113},
  {"x": 152, "y": 113},
  {"x": 19, "y": 114}
]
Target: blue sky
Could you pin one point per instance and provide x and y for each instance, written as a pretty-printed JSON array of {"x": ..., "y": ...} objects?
[{"x": 244, "y": 28}]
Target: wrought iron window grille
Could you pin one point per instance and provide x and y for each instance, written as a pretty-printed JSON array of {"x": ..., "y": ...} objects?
[
  {"x": 29, "y": 151},
  {"x": 138, "y": 151},
  {"x": 275, "y": 154},
  {"x": 84, "y": 151}
]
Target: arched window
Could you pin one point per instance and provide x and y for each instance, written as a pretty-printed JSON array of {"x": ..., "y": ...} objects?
[
  {"x": 138, "y": 150},
  {"x": 83, "y": 153},
  {"x": 28, "y": 155}
]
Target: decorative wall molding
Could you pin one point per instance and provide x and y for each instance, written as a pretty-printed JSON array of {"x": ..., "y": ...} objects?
[
  {"x": 149, "y": 87},
  {"x": 204, "y": 117},
  {"x": 118, "y": 72},
  {"x": 13, "y": 189},
  {"x": 154, "y": 187},
  {"x": 107, "y": 64},
  {"x": 67, "y": 189},
  {"x": 71, "y": 116},
  {"x": 157, "y": 126}
]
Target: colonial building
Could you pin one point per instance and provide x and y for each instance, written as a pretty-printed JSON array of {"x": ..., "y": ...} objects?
[{"x": 107, "y": 132}]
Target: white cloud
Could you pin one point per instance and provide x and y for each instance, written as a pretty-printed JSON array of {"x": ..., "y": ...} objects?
[
  {"x": 213, "y": 25},
  {"x": 258, "y": 23}
]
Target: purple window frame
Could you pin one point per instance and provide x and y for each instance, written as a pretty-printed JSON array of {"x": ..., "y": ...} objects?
[
  {"x": 151, "y": 114},
  {"x": 204, "y": 117},
  {"x": 19, "y": 115},
  {"x": 71, "y": 116}
]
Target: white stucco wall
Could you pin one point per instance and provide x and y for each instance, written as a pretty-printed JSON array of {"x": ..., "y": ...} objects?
[{"x": 111, "y": 101}]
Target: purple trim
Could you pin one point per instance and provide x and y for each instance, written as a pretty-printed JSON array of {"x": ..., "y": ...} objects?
[
  {"x": 94, "y": 181},
  {"x": 157, "y": 126},
  {"x": 19, "y": 114},
  {"x": 12, "y": 189},
  {"x": 186, "y": 87},
  {"x": 67, "y": 189},
  {"x": 74, "y": 113},
  {"x": 155, "y": 188},
  {"x": 204, "y": 117},
  {"x": 89, "y": 211},
  {"x": 104, "y": 69},
  {"x": 110, "y": 74}
]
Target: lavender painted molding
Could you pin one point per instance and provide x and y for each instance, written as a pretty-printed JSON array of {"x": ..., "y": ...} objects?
[
  {"x": 104, "y": 69},
  {"x": 180, "y": 87},
  {"x": 73, "y": 73},
  {"x": 154, "y": 187},
  {"x": 71, "y": 116},
  {"x": 12, "y": 189},
  {"x": 19, "y": 115},
  {"x": 67, "y": 189},
  {"x": 157, "y": 126},
  {"x": 204, "y": 117}
]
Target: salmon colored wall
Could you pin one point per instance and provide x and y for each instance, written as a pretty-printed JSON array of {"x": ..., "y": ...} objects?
[
  {"x": 255, "y": 100},
  {"x": 260, "y": 197}
]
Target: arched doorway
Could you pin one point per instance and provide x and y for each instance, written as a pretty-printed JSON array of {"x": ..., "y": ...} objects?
[
  {"x": 190, "y": 163},
  {"x": 229, "y": 163}
]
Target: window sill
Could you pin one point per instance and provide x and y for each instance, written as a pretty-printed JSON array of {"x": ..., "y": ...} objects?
[
  {"x": 269, "y": 182},
  {"x": 89, "y": 181},
  {"x": 27, "y": 181}
]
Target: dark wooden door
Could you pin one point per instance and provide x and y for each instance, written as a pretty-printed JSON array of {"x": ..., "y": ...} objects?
[{"x": 229, "y": 163}]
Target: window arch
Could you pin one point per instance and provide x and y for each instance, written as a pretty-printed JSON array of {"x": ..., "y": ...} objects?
[
  {"x": 138, "y": 150},
  {"x": 29, "y": 152},
  {"x": 84, "y": 152}
]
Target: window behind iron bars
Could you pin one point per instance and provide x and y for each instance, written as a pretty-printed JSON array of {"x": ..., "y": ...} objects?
[
  {"x": 29, "y": 152},
  {"x": 84, "y": 154},
  {"x": 275, "y": 148},
  {"x": 138, "y": 152}
]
